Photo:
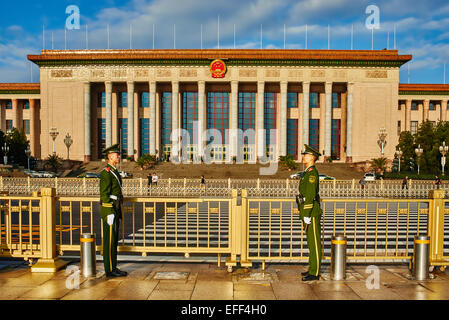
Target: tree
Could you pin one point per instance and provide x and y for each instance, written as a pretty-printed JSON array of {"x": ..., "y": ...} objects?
[
  {"x": 54, "y": 162},
  {"x": 146, "y": 161},
  {"x": 288, "y": 162},
  {"x": 379, "y": 164},
  {"x": 406, "y": 143},
  {"x": 18, "y": 144}
]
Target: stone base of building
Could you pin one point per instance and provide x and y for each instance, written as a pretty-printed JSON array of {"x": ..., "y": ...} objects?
[{"x": 348, "y": 159}]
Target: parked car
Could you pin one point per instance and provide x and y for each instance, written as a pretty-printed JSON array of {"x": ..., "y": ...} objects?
[
  {"x": 33, "y": 174},
  {"x": 46, "y": 174},
  {"x": 89, "y": 175},
  {"x": 124, "y": 174},
  {"x": 325, "y": 177},
  {"x": 370, "y": 176},
  {"x": 297, "y": 175}
]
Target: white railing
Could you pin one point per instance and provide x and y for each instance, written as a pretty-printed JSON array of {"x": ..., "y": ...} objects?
[{"x": 281, "y": 188}]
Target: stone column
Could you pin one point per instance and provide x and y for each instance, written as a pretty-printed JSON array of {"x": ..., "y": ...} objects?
[
  {"x": 426, "y": 110},
  {"x": 175, "y": 114},
  {"x": 17, "y": 110},
  {"x": 305, "y": 112},
  {"x": 33, "y": 133},
  {"x": 130, "y": 104},
  {"x": 87, "y": 123},
  {"x": 443, "y": 116},
  {"x": 152, "y": 117},
  {"x": 201, "y": 116},
  {"x": 2, "y": 116},
  {"x": 408, "y": 114},
  {"x": 349, "y": 122},
  {"x": 260, "y": 119},
  {"x": 108, "y": 90},
  {"x": 233, "y": 137},
  {"x": 283, "y": 119},
  {"x": 328, "y": 121}
]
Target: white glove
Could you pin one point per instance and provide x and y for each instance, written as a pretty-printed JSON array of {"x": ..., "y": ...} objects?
[
  {"x": 110, "y": 219},
  {"x": 307, "y": 220}
]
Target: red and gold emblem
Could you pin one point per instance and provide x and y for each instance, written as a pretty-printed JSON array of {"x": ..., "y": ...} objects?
[{"x": 218, "y": 69}]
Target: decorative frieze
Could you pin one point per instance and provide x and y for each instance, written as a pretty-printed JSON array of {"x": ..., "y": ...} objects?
[
  {"x": 272, "y": 73},
  {"x": 318, "y": 73},
  {"x": 247, "y": 73},
  {"x": 120, "y": 73},
  {"x": 98, "y": 74},
  {"x": 141, "y": 73},
  {"x": 164, "y": 73},
  {"x": 188, "y": 73},
  {"x": 376, "y": 74},
  {"x": 295, "y": 73},
  {"x": 61, "y": 73}
]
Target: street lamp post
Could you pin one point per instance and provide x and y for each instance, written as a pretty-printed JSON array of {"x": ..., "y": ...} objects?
[
  {"x": 28, "y": 153},
  {"x": 68, "y": 142},
  {"x": 398, "y": 153},
  {"x": 53, "y": 134},
  {"x": 419, "y": 152},
  {"x": 382, "y": 141},
  {"x": 443, "y": 149},
  {"x": 5, "y": 150}
]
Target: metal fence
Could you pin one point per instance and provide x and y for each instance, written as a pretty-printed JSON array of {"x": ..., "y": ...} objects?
[
  {"x": 243, "y": 228},
  {"x": 219, "y": 188}
]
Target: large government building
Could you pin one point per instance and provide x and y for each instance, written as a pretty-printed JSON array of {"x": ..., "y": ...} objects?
[{"x": 334, "y": 100}]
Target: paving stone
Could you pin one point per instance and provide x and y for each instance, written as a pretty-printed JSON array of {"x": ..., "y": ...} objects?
[
  {"x": 213, "y": 290},
  {"x": 132, "y": 290}
]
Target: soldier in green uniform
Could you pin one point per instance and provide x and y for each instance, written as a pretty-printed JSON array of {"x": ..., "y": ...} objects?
[
  {"x": 111, "y": 210},
  {"x": 310, "y": 211}
]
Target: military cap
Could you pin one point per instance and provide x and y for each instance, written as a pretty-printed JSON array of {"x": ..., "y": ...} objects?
[
  {"x": 112, "y": 149},
  {"x": 309, "y": 150}
]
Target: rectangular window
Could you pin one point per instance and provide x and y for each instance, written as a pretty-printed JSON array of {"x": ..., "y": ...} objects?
[
  {"x": 166, "y": 118},
  {"x": 101, "y": 129},
  {"x": 399, "y": 127},
  {"x": 292, "y": 138},
  {"x": 292, "y": 100},
  {"x": 414, "y": 105},
  {"x": 336, "y": 100},
  {"x": 413, "y": 127},
  {"x": 8, "y": 125},
  {"x": 123, "y": 135},
  {"x": 144, "y": 136},
  {"x": 269, "y": 121},
  {"x": 189, "y": 113},
  {"x": 101, "y": 102},
  {"x": 26, "y": 105},
  {"x": 247, "y": 113},
  {"x": 26, "y": 126},
  {"x": 218, "y": 113},
  {"x": 432, "y": 106},
  {"x": 123, "y": 99},
  {"x": 314, "y": 100},
  {"x": 314, "y": 133},
  {"x": 335, "y": 139},
  {"x": 9, "y": 105},
  {"x": 145, "y": 100}
]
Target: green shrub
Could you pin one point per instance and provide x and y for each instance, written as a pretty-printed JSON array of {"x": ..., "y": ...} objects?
[{"x": 146, "y": 162}]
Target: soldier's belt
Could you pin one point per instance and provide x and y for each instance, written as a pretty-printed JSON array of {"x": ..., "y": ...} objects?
[{"x": 106, "y": 205}]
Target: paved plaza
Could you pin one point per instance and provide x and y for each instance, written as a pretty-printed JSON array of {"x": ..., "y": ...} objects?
[{"x": 205, "y": 281}]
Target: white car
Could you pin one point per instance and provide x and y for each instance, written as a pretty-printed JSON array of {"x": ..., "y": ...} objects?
[
  {"x": 369, "y": 176},
  {"x": 124, "y": 174}
]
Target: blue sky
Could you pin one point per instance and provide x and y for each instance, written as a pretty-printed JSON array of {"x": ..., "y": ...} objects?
[{"x": 422, "y": 28}]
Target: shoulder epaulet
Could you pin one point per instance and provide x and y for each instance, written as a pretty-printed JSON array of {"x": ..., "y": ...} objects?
[
  {"x": 310, "y": 169},
  {"x": 108, "y": 169}
]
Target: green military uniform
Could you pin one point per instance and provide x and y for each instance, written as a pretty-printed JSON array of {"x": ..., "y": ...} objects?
[
  {"x": 111, "y": 199},
  {"x": 310, "y": 207}
]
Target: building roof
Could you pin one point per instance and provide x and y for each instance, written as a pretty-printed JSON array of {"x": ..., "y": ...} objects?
[
  {"x": 388, "y": 58},
  {"x": 20, "y": 88},
  {"x": 423, "y": 89}
]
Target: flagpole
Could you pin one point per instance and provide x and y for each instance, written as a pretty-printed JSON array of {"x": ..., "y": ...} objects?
[
  {"x": 306, "y": 36},
  {"x": 234, "y": 35},
  {"x": 352, "y": 37},
  {"x": 284, "y": 36}
]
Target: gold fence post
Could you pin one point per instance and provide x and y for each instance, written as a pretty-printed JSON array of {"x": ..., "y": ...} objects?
[
  {"x": 233, "y": 232},
  {"x": 49, "y": 261},
  {"x": 244, "y": 221},
  {"x": 435, "y": 227}
]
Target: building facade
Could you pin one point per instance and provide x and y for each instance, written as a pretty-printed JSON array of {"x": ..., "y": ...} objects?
[{"x": 334, "y": 100}]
